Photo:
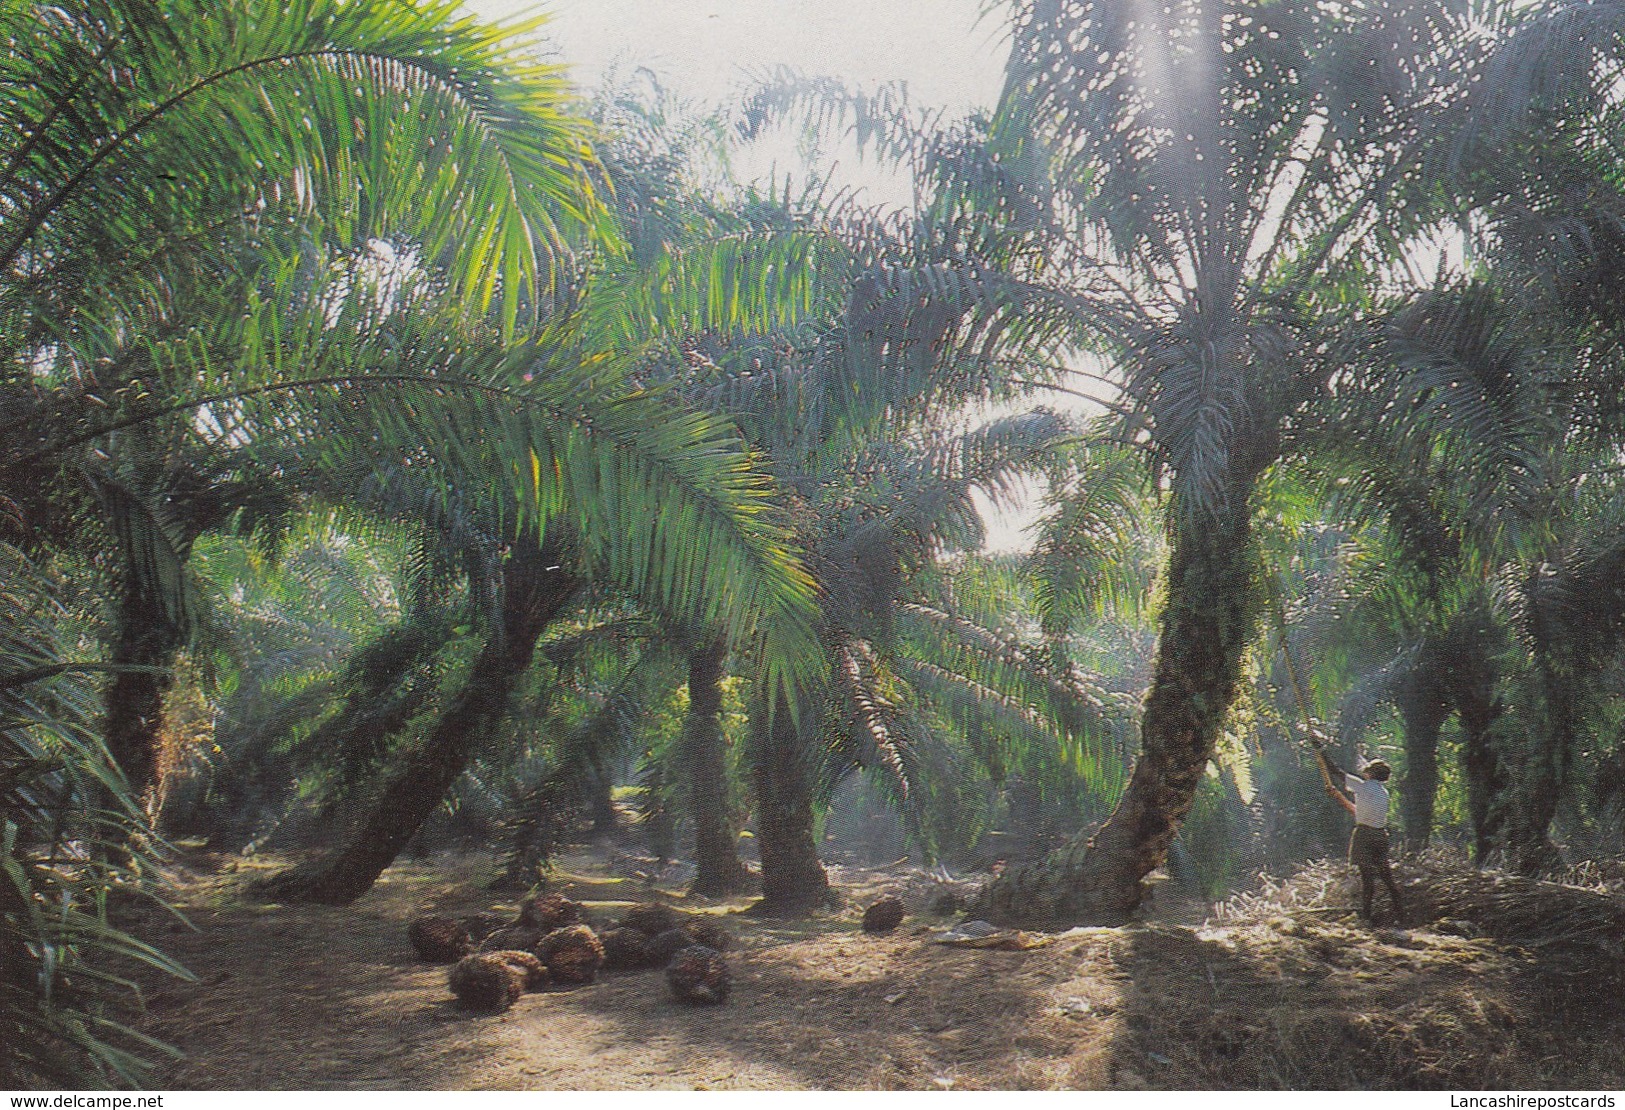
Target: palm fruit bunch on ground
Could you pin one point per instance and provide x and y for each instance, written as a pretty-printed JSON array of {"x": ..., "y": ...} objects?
[
  {"x": 699, "y": 975},
  {"x": 651, "y": 918},
  {"x": 650, "y": 933},
  {"x": 572, "y": 954},
  {"x": 884, "y": 915},
  {"x": 548, "y": 912},
  {"x": 481, "y": 925},
  {"x": 486, "y": 981},
  {"x": 626, "y": 948},
  {"x": 692, "y": 930},
  {"x": 663, "y": 947},
  {"x": 534, "y": 970},
  {"x": 710, "y": 932},
  {"x": 512, "y": 937},
  {"x": 439, "y": 940}
]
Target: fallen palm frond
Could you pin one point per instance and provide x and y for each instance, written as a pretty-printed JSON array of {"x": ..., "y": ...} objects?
[
  {"x": 1569, "y": 930},
  {"x": 1477, "y": 988}
]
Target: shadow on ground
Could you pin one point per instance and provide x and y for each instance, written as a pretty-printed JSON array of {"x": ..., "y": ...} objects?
[{"x": 1283, "y": 993}]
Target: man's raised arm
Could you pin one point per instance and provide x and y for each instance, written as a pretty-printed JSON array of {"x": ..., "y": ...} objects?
[{"x": 1327, "y": 770}]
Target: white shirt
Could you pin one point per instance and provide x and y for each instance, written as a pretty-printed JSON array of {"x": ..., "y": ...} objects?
[{"x": 1370, "y": 801}]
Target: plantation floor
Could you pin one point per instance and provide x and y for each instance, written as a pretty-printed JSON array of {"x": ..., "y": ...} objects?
[{"x": 1290, "y": 994}]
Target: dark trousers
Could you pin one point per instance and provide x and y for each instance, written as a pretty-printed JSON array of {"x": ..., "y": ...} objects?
[{"x": 1368, "y": 850}]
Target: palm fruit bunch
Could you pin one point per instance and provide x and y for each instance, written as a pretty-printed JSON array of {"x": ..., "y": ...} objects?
[
  {"x": 884, "y": 915},
  {"x": 626, "y": 948},
  {"x": 709, "y": 932},
  {"x": 512, "y": 937},
  {"x": 697, "y": 929},
  {"x": 486, "y": 981},
  {"x": 699, "y": 975},
  {"x": 534, "y": 970},
  {"x": 481, "y": 925},
  {"x": 439, "y": 940},
  {"x": 663, "y": 947},
  {"x": 650, "y": 918},
  {"x": 548, "y": 912},
  {"x": 572, "y": 954}
]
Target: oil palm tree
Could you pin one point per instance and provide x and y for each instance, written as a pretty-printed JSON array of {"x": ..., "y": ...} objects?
[
  {"x": 884, "y": 333},
  {"x": 1227, "y": 175},
  {"x": 593, "y": 466},
  {"x": 148, "y": 147},
  {"x": 880, "y": 488},
  {"x": 556, "y": 427},
  {"x": 1486, "y": 447},
  {"x": 159, "y": 154},
  {"x": 1539, "y": 161}
]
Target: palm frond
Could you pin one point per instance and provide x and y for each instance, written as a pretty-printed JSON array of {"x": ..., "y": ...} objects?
[
  {"x": 417, "y": 121},
  {"x": 63, "y": 814},
  {"x": 1088, "y": 558}
]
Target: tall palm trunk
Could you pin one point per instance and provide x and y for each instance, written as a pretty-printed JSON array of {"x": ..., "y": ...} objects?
[
  {"x": 717, "y": 869},
  {"x": 534, "y": 590},
  {"x": 146, "y": 639},
  {"x": 1540, "y": 775},
  {"x": 1538, "y": 763},
  {"x": 1471, "y": 683},
  {"x": 601, "y": 804},
  {"x": 1210, "y": 618},
  {"x": 1481, "y": 767},
  {"x": 149, "y": 628},
  {"x": 793, "y": 879},
  {"x": 1423, "y": 710}
]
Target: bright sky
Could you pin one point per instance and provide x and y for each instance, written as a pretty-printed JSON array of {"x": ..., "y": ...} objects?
[
  {"x": 948, "y": 53},
  {"x": 707, "y": 48}
]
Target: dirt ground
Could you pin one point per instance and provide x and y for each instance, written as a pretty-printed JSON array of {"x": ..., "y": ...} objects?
[{"x": 1297, "y": 996}]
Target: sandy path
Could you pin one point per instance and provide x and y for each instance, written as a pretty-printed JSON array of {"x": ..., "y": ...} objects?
[
  {"x": 1290, "y": 997},
  {"x": 319, "y": 997}
]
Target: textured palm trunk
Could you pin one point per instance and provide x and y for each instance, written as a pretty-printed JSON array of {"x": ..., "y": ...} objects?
[
  {"x": 1540, "y": 777},
  {"x": 145, "y": 638},
  {"x": 793, "y": 879},
  {"x": 1423, "y": 712},
  {"x": 1486, "y": 783},
  {"x": 148, "y": 634},
  {"x": 1210, "y": 617},
  {"x": 717, "y": 868},
  {"x": 1471, "y": 685},
  {"x": 605, "y": 821},
  {"x": 534, "y": 591},
  {"x": 1608, "y": 801}
]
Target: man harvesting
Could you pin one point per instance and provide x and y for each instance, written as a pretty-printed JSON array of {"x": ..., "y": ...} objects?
[{"x": 1368, "y": 848}]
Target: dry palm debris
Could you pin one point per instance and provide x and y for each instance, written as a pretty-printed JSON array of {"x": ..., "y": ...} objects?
[{"x": 982, "y": 934}]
